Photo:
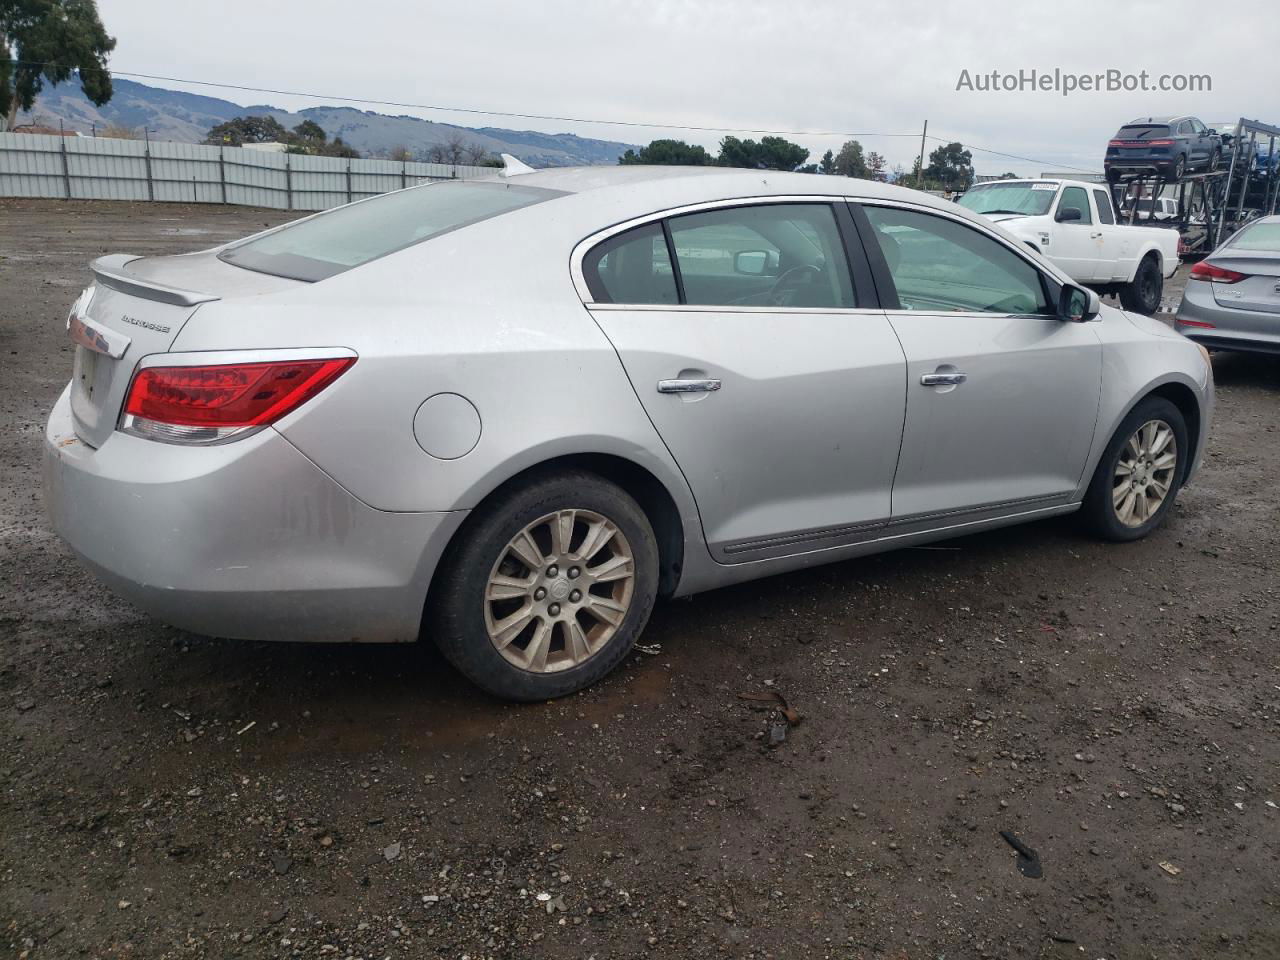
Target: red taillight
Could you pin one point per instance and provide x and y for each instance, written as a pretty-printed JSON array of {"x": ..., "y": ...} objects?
[
  {"x": 232, "y": 395},
  {"x": 1140, "y": 143},
  {"x": 1204, "y": 270},
  {"x": 1159, "y": 143},
  {"x": 1195, "y": 323}
]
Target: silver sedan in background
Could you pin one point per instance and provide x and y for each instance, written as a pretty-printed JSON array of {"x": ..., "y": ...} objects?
[
  {"x": 509, "y": 415},
  {"x": 1232, "y": 299}
]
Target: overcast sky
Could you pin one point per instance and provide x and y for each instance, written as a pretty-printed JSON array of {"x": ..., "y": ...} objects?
[{"x": 865, "y": 68}]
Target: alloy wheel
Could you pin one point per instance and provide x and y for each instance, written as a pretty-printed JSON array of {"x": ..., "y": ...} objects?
[
  {"x": 1144, "y": 473},
  {"x": 559, "y": 591}
]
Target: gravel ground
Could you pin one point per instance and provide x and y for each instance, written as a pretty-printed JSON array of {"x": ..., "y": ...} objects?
[{"x": 1116, "y": 707}]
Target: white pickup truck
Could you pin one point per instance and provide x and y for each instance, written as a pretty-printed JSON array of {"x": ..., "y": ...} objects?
[{"x": 1074, "y": 224}]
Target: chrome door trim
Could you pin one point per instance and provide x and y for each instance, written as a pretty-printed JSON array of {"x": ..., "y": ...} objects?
[
  {"x": 833, "y": 538},
  {"x": 943, "y": 379},
  {"x": 584, "y": 245},
  {"x": 705, "y": 308},
  {"x": 707, "y": 385},
  {"x": 828, "y": 536}
]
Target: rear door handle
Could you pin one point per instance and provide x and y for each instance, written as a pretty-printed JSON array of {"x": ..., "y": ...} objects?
[
  {"x": 688, "y": 386},
  {"x": 943, "y": 379},
  {"x": 1096, "y": 236}
]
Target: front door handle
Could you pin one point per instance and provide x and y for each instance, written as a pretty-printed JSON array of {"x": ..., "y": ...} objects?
[
  {"x": 943, "y": 379},
  {"x": 1095, "y": 236},
  {"x": 688, "y": 386}
]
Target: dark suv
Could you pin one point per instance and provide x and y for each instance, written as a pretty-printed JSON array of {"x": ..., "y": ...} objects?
[{"x": 1168, "y": 146}]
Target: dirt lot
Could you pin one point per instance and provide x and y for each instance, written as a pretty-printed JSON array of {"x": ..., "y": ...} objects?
[{"x": 1116, "y": 707}]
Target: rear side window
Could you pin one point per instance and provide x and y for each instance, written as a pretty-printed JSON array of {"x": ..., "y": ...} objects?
[
  {"x": 775, "y": 255},
  {"x": 349, "y": 236},
  {"x": 1076, "y": 197},
  {"x": 632, "y": 267},
  {"x": 1105, "y": 213}
]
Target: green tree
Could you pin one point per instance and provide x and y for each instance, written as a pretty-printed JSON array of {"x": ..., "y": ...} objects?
[
  {"x": 850, "y": 162},
  {"x": 771, "y": 153},
  {"x": 337, "y": 147},
  {"x": 876, "y": 167},
  {"x": 47, "y": 41},
  {"x": 951, "y": 166},
  {"x": 827, "y": 164},
  {"x": 310, "y": 130},
  {"x": 675, "y": 152},
  {"x": 242, "y": 130}
]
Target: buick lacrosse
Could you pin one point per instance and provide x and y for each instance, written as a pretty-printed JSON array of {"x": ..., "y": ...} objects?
[{"x": 508, "y": 415}]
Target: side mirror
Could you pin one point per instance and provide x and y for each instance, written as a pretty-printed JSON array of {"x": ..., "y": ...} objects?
[
  {"x": 1068, "y": 214},
  {"x": 753, "y": 263},
  {"x": 1078, "y": 304}
]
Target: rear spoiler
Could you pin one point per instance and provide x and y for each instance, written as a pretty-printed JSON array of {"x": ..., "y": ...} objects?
[{"x": 110, "y": 272}]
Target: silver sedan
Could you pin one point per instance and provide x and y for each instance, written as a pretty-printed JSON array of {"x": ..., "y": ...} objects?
[
  {"x": 510, "y": 415},
  {"x": 1232, "y": 300}
]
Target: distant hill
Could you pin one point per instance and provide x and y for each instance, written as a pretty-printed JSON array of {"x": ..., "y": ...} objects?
[{"x": 187, "y": 117}]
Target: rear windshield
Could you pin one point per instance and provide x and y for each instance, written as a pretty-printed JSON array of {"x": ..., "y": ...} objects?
[
  {"x": 1260, "y": 236},
  {"x": 354, "y": 234},
  {"x": 1143, "y": 131}
]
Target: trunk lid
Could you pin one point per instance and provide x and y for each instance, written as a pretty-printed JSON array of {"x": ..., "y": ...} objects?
[
  {"x": 136, "y": 307},
  {"x": 1259, "y": 291}
]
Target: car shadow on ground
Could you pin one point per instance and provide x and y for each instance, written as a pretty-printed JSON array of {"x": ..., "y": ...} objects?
[
  {"x": 1246, "y": 370},
  {"x": 349, "y": 698}
]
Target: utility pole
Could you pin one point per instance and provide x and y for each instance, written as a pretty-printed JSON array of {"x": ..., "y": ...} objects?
[{"x": 920, "y": 173}]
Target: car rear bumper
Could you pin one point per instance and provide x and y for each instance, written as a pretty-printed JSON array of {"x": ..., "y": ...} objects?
[
  {"x": 1126, "y": 165},
  {"x": 249, "y": 540},
  {"x": 1231, "y": 328}
]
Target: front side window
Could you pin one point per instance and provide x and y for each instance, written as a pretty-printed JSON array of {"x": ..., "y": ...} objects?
[
  {"x": 631, "y": 267},
  {"x": 1103, "y": 200},
  {"x": 1075, "y": 197},
  {"x": 357, "y": 233},
  {"x": 777, "y": 255},
  {"x": 940, "y": 265}
]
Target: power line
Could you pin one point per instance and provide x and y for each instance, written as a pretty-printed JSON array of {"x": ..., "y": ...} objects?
[
  {"x": 1011, "y": 156},
  {"x": 488, "y": 113},
  {"x": 546, "y": 117}
]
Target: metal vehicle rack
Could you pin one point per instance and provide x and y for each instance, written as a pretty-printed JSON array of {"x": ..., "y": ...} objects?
[{"x": 1213, "y": 204}]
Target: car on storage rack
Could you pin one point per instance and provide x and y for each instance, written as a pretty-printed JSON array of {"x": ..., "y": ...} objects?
[
  {"x": 1074, "y": 224},
  {"x": 1149, "y": 208},
  {"x": 1168, "y": 146}
]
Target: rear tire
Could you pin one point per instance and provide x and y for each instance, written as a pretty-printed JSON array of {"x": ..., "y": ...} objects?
[
  {"x": 1144, "y": 292},
  {"x": 1140, "y": 473},
  {"x": 1179, "y": 167},
  {"x": 546, "y": 588}
]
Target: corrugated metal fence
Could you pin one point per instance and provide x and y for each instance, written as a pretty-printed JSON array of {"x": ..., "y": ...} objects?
[{"x": 97, "y": 168}]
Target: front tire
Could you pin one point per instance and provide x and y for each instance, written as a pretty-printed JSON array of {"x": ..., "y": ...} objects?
[
  {"x": 546, "y": 588},
  {"x": 1144, "y": 292},
  {"x": 1214, "y": 159},
  {"x": 1140, "y": 473}
]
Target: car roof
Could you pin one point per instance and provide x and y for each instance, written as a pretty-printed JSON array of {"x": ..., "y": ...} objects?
[
  {"x": 1155, "y": 120},
  {"x": 715, "y": 182}
]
